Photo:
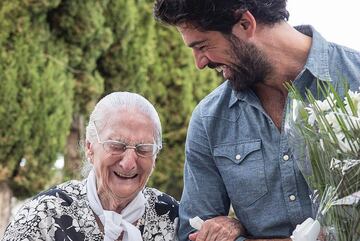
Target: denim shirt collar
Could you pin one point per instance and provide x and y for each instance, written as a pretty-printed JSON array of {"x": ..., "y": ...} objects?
[
  {"x": 317, "y": 63},
  {"x": 318, "y": 60}
]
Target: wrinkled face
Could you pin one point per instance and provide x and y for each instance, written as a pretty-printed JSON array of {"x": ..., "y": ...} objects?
[
  {"x": 242, "y": 63},
  {"x": 123, "y": 176}
]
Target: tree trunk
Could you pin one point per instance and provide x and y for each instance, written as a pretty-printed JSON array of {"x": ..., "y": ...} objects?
[
  {"x": 5, "y": 206},
  {"x": 73, "y": 157}
]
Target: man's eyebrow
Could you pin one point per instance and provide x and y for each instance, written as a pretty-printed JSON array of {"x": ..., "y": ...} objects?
[{"x": 193, "y": 44}]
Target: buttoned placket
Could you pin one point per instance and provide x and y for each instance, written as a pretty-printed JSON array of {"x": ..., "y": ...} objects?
[{"x": 288, "y": 176}]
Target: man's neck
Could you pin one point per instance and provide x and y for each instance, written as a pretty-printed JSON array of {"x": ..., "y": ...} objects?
[
  {"x": 273, "y": 101},
  {"x": 287, "y": 49}
]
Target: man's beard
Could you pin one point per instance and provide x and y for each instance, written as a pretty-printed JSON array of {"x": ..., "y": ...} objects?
[{"x": 250, "y": 66}]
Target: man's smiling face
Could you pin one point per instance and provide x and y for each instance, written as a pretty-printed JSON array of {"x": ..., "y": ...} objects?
[{"x": 241, "y": 62}]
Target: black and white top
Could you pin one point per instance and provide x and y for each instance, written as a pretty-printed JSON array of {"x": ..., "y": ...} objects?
[{"x": 63, "y": 213}]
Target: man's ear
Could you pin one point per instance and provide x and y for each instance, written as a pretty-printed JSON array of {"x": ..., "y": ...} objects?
[{"x": 246, "y": 26}]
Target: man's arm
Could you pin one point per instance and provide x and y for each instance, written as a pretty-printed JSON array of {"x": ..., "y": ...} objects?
[
  {"x": 224, "y": 229},
  {"x": 220, "y": 228},
  {"x": 287, "y": 239},
  {"x": 204, "y": 193}
]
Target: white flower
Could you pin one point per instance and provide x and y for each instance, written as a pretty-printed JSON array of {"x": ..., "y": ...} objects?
[
  {"x": 344, "y": 146},
  {"x": 355, "y": 98},
  {"x": 326, "y": 104},
  {"x": 312, "y": 116},
  {"x": 352, "y": 122},
  {"x": 333, "y": 130},
  {"x": 331, "y": 118},
  {"x": 296, "y": 107}
]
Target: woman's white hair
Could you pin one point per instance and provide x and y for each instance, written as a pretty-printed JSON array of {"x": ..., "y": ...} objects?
[{"x": 115, "y": 101}]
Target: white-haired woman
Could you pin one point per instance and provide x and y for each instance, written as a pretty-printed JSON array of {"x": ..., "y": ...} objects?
[{"x": 123, "y": 137}]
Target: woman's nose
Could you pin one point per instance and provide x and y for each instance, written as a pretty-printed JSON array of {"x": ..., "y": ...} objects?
[{"x": 128, "y": 161}]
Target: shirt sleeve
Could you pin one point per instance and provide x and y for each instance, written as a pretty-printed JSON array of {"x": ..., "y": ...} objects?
[
  {"x": 204, "y": 193},
  {"x": 241, "y": 238}
]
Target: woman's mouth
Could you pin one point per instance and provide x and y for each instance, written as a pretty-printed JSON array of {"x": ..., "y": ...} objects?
[{"x": 125, "y": 176}]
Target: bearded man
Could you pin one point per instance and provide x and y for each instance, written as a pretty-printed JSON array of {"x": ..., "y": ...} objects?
[{"x": 236, "y": 149}]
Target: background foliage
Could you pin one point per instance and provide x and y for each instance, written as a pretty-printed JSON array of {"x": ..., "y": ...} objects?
[
  {"x": 36, "y": 96},
  {"x": 58, "y": 57}
]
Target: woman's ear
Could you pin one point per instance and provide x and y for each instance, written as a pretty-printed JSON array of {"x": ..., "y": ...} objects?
[
  {"x": 89, "y": 151},
  {"x": 246, "y": 26},
  {"x": 153, "y": 167}
]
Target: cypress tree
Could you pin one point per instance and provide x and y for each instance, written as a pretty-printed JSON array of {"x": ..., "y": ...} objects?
[
  {"x": 80, "y": 25},
  {"x": 34, "y": 80},
  {"x": 125, "y": 65}
]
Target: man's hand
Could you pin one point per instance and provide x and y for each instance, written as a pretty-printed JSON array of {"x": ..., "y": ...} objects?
[
  {"x": 286, "y": 239},
  {"x": 220, "y": 228}
]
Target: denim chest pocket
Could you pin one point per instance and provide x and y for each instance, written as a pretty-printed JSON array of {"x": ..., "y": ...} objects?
[{"x": 242, "y": 168}]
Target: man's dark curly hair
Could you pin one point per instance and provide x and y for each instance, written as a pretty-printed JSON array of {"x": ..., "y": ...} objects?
[{"x": 218, "y": 15}]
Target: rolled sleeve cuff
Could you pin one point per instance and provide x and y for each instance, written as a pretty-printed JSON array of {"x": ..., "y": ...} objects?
[{"x": 240, "y": 238}]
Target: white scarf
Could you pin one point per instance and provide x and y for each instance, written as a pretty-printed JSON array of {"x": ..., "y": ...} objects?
[{"x": 113, "y": 222}]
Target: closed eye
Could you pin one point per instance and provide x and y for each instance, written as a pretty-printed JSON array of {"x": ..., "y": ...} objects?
[
  {"x": 202, "y": 48},
  {"x": 116, "y": 146},
  {"x": 198, "y": 45}
]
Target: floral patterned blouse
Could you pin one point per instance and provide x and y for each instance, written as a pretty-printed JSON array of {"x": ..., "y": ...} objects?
[{"x": 63, "y": 213}]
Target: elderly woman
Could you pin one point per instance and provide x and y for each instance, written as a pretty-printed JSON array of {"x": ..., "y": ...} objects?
[{"x": 123, "y": 137}]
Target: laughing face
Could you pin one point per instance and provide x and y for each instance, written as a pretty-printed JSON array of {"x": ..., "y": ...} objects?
[
  {"x": 122, "y": 177},
  {"x": 242, "y": 63}
]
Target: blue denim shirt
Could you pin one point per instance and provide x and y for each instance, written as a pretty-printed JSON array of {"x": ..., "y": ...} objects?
[{"x": 236, "y": 155}]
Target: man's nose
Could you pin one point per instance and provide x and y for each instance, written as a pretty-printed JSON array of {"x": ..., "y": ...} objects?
[{"x": 201, "y": 60}]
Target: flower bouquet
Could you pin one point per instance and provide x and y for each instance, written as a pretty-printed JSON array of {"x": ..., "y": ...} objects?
[{"x": 326, "y": 133}]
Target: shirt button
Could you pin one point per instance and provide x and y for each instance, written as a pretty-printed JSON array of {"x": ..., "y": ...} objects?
[
  {"x": 292, "y": 197},
  {"x": 237, "y": 157},
  {"x": 285, "y": 157}
]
